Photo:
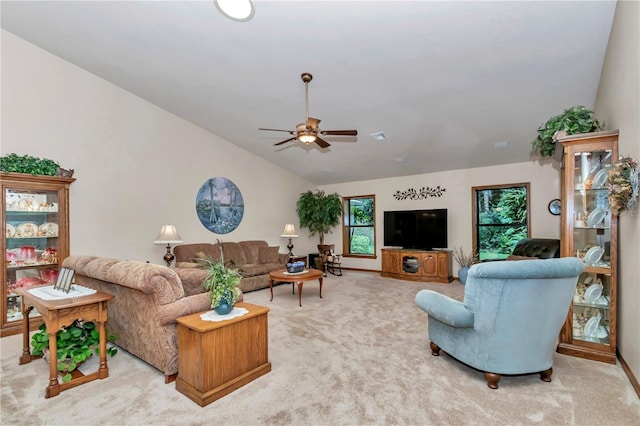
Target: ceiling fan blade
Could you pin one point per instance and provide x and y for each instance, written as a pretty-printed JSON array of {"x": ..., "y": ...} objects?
[
  {"x": 277, "y": 130},
  {"x": 322, "y": 143},
  {"x": 340, "y": 132},
  {"x": 312, "y": 123},
  {"x": 284, "y": 141}
]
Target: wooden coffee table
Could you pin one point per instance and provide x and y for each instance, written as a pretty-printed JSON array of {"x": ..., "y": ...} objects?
[{"x": 283, "y": 276}]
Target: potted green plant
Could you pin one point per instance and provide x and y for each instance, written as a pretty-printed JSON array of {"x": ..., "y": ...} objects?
[
  {"x": 319, "y": 212},
  {"x": 75, "y": 344},
  {"x": 222, "y": 284},
  {"x": 573, "y": 120},
  {"x": 465, "y": 260},
  {"x": 14, "y": 163}
]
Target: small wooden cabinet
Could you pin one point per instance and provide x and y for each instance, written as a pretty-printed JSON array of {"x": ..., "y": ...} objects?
[
  {"x": 417, "y": 265},
  {"x": 35, "y": 239},
  {"x": 590, "y": 232},
  {"x": 216, "y": 358}
]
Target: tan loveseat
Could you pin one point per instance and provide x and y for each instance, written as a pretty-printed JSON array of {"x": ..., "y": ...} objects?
[
  {"x": 254, "y": 259},
  {"x": 148, "y": 300}
]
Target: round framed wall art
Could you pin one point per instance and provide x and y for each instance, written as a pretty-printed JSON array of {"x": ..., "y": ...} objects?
[{"x": 219, "y": 205}]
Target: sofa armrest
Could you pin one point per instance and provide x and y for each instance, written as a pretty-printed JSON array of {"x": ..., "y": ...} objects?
[
  {"x": 167, "y": 314},
  {"x": 283, "y": 258},
  {"x": 444, "y": 309}
]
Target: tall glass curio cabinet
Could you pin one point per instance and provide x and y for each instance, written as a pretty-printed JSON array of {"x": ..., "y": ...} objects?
[
  {"x": 35, "y": 239},
  {"x": 590, "y": 232}
]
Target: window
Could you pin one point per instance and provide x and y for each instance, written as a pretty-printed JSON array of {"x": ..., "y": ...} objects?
[
  {"x": 500, "y": 219},
  {"x": 359, "y": 230}
]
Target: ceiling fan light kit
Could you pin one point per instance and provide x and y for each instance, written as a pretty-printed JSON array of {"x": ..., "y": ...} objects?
[
  {"x": 307, "y": 132},
  {"x": 238, "y": 10}
]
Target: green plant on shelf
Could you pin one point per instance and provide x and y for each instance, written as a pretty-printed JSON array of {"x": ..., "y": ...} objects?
[
  {"x": 577, "y": 119},
  {"x": 28, "y": 164}
]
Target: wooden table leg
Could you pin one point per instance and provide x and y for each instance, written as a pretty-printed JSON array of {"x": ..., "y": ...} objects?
[
  {"x": 103, "y": 370},
  {"x": 26, "y": 346},
  {"x": 54, "y": 387},
  {"x": 271, "y": 289},
  {"x": 320, "y": 287},
  {"x": 300, "y": 292}
]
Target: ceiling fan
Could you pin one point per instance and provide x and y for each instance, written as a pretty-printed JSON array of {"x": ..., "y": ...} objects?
[{"x": 308, "y": 131}]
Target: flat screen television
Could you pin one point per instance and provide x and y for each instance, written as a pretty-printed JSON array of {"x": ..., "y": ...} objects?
[{"x": 417, "y": 229}]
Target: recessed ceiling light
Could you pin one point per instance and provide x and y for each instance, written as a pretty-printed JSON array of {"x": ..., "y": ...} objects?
[
  {"x": 501, "y": 144},
  {"x": 379, "y": 136},
  {"x": 328, "y": 170},
  {"x": 399, "y": 160},
  {"x": 238, "y": 10}
]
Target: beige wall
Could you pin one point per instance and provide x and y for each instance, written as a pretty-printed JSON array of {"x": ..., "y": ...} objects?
[
  {"x": 137, "y": 166},
  {"x": 618, "y": 104},
  {"x": 545, "y": 186}
]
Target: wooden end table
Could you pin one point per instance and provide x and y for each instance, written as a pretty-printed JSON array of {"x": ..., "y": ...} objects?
[
  {"x": 217, "y": 357},
  {"x": 59, "y": 313},
  {"x": 282, "y": 276}
]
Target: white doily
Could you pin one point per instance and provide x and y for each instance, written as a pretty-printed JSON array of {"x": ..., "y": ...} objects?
[
  {"x": 214, "y": 316},
  {"x": 50, "y": 293}
]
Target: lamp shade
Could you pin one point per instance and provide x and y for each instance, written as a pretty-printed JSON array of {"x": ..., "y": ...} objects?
[
  {"x": 168, "y": 235},
  {"x": 289, "y": 231}
]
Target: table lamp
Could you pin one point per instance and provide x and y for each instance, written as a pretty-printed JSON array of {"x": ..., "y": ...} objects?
[
  {"x": 168, "y": 235},
  {"x": 289, "y": 232}
]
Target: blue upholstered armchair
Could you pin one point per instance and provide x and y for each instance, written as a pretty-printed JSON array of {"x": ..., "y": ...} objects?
[{"x": 510, "y": 318}]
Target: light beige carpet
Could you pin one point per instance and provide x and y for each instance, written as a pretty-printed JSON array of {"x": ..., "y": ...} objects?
[{"x": 357, "y": 357}]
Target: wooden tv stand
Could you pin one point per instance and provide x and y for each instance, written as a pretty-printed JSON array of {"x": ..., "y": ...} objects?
[{"x": 417, "y": 265}]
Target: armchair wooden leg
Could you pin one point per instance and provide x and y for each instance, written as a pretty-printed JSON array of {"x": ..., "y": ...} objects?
[
  {"x": 545, "y": 375},
  {"x": 492, "y": 380},
  {"x": 435, "y": 349}
]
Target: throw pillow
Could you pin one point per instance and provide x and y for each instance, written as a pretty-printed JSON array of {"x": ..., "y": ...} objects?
[
  {"x": 515, "y": 257},
  {"x": 201, "y": 258},
  {"x": 268, "y": 254}
]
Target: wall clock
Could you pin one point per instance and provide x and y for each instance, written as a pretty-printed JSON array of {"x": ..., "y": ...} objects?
[
  {"x": 554, "y": 207},
  {"x": 219, "y": 205}
]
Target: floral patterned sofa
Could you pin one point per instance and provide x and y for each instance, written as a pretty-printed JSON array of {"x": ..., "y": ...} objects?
[{"x": 148, "y": 300}]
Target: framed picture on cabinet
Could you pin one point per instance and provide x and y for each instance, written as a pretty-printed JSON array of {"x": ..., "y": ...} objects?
[{"x": 65, "y": 278}]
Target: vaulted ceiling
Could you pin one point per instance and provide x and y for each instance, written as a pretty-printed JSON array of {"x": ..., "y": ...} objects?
[{"x": 452, "y": 84}]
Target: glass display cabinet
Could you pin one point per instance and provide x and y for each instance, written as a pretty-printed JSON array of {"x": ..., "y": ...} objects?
[
  {"x": 35, "y": 239},
  {"x": 590, "y": 232}
]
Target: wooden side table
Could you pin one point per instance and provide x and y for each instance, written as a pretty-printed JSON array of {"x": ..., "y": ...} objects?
[
  {"x": 216, "y": 358},
  {"x": 59, "y": 313}
]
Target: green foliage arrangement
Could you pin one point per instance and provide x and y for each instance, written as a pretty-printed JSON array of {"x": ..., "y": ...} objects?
[
  {"x": 75, "y": 344},
  {"x": 222, "y": 283},
  {"x": 319, "y": 212},
  {"x": 573, "y": 120},
  {"x": 27, "y": 164}
]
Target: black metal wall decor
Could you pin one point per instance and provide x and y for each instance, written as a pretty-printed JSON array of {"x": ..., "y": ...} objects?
[{"x": 421, "y": 194}]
